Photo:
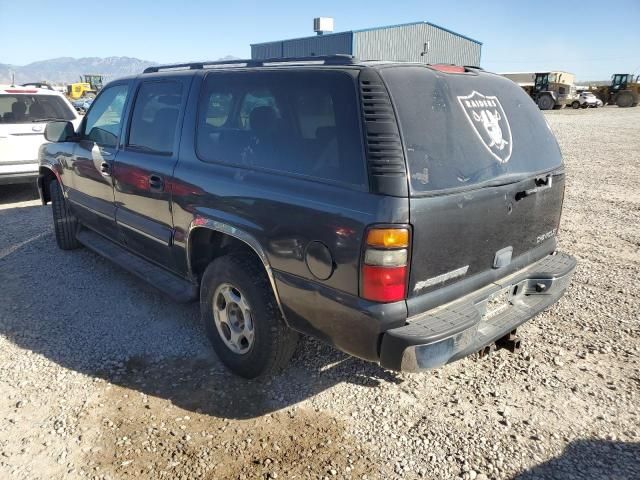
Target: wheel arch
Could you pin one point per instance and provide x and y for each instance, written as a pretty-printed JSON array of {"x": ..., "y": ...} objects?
[
  {"x": 45, "y": 175},
  {"x": 209, "y": 239},
  {"x": 551, "y": 93}
]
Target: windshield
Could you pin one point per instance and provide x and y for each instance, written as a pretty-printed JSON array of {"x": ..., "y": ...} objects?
[
  {"x": 619, "y": 79},
  {"x": 464, "y": 130},
  {"x": 542, "y": 79},
  {"x": 21, "y": 108}
]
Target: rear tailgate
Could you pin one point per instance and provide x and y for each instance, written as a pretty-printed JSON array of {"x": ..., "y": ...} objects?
[
  {"x": 486, "y": 179},
  {"x": 19, "y": 143}
]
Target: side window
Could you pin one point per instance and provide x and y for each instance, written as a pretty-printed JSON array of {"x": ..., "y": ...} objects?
[
  {"x": 155, "y": 115},
  {"x": 299, "y": 123},
  {"x": 104, "y": 119}
]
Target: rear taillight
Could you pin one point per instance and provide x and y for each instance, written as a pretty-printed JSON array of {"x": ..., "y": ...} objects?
[
  {"x": 20, "y": 91},
  {"x": 384, "y": 269}
]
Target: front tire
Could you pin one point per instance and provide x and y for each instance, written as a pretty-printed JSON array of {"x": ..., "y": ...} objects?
[
  {"x": 575, "y": 104},
  {"x": 546, "y": 102},
  {"x": 241, "y": 317},
  {"x": 65, "y": 223},
  {"x": 624, "y": 100}
]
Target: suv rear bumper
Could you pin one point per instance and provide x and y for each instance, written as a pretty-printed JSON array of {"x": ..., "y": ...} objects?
[
  {"x": 18, "y": 171},
  {"x": 457, "y": 329},
  {"x": 21, "y": 177}
]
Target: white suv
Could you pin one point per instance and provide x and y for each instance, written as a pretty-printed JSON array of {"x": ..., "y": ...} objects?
[
  {"x": 24, "y": 113},
  {"x": 587, "y": 100}
]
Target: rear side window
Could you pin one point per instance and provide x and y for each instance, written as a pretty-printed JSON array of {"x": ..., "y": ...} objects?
[
  {"x": 300, "y": 123},
  {"x": 155, "y": 115},
  {"x": 463, "y": 130},
  {"x": 26, "y": 108}
]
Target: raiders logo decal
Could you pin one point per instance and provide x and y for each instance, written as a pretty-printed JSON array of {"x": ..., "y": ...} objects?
[{"x": 490, "y": 124}]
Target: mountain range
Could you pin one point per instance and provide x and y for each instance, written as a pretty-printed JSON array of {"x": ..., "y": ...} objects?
[{"x": 68, "y": 70}]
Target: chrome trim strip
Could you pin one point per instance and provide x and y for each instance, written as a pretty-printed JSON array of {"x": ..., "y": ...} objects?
[
  {"x": 240, "y": 235},
  {"x": 143, "y": 233},
  {"x": 82, "y": 205}
]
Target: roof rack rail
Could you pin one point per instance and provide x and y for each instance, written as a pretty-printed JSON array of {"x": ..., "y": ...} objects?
[{"x": 338, "y": 59}]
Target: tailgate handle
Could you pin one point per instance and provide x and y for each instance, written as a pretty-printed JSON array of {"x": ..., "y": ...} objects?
[{"x": 542, "y": 183}]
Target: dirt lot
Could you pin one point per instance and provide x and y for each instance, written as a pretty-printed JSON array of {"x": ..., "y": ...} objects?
[{"x": 102, "y": 377}]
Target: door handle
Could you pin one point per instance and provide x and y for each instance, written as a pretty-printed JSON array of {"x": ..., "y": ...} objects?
[
  {"x": 105, "y": 153},
  {"x": 105, "y": 169},
  {"x": 542, "y": 183},
  {"x": 156, "y": 183}
]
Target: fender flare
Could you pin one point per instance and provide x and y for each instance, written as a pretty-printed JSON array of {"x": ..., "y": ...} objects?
[
  {"x": 551, "y": 93},
  {"x": 41, "y": 187},
  {"x": 238, "y": 234}
]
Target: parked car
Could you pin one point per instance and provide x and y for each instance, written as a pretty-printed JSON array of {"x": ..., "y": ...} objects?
[
  {"x": 24, "y": 112},
  {"x": 587, "y": 100},
  {"x": 406, "y": 214},
  {"x": 82, "y": 104}
]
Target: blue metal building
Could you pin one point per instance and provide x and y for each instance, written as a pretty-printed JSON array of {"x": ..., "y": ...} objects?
[{"x": 411, "y": 42}]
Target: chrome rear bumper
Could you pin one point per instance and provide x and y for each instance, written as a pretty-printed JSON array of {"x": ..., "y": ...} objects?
[{"x": 465, "y": 326}]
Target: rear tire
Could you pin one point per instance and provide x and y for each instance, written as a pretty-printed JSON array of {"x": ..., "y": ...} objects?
[
  {"x": 575, "y": 104},
  {"x": 242, "y": 319},
  {"x": 546, "y": 102},
  {"x": 624, "y": 100},
  {"x": 65, "y": 223}
]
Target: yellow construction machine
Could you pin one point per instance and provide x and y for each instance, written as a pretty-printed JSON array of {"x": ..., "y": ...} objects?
[
  {"x": 80, "y": 89},
  {"x": 94, "y": 80},
  {"x": 88, "y": 86},
  {"x": 624, "y": 90}
]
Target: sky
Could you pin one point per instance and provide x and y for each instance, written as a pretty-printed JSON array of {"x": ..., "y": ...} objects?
[{"x": 584, "y": 37}]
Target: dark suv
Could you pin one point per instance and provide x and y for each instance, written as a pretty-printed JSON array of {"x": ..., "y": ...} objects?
[{"x": 404, "y": 213}]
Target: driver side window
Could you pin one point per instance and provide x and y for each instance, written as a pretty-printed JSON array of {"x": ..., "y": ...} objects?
[{"x": 104, "y": 119}]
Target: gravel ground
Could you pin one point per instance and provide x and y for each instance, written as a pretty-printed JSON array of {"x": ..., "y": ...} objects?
[{"x": 102, "y": 377}]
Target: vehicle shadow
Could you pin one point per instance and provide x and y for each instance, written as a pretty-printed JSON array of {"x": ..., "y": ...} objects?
[
  {"x": 18, "y": 193},
  {"x": 592, "y": 460},
  {"x": 88, "y": 315}
]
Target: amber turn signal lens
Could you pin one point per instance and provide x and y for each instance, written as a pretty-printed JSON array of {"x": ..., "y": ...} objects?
[{"x": 388, "y": 237}]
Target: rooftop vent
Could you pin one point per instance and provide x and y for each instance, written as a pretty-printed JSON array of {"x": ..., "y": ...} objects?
[{"x": 322, "y": 25}]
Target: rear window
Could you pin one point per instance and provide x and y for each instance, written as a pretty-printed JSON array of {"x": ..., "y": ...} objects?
[
  {"x": 299, "y": 123},
  {"x": 463, "y": 130},
  {"x": 24, "y": 108}
]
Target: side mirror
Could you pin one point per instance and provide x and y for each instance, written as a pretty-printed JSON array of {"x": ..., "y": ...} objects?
[{"x": 59, "y": 132}]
